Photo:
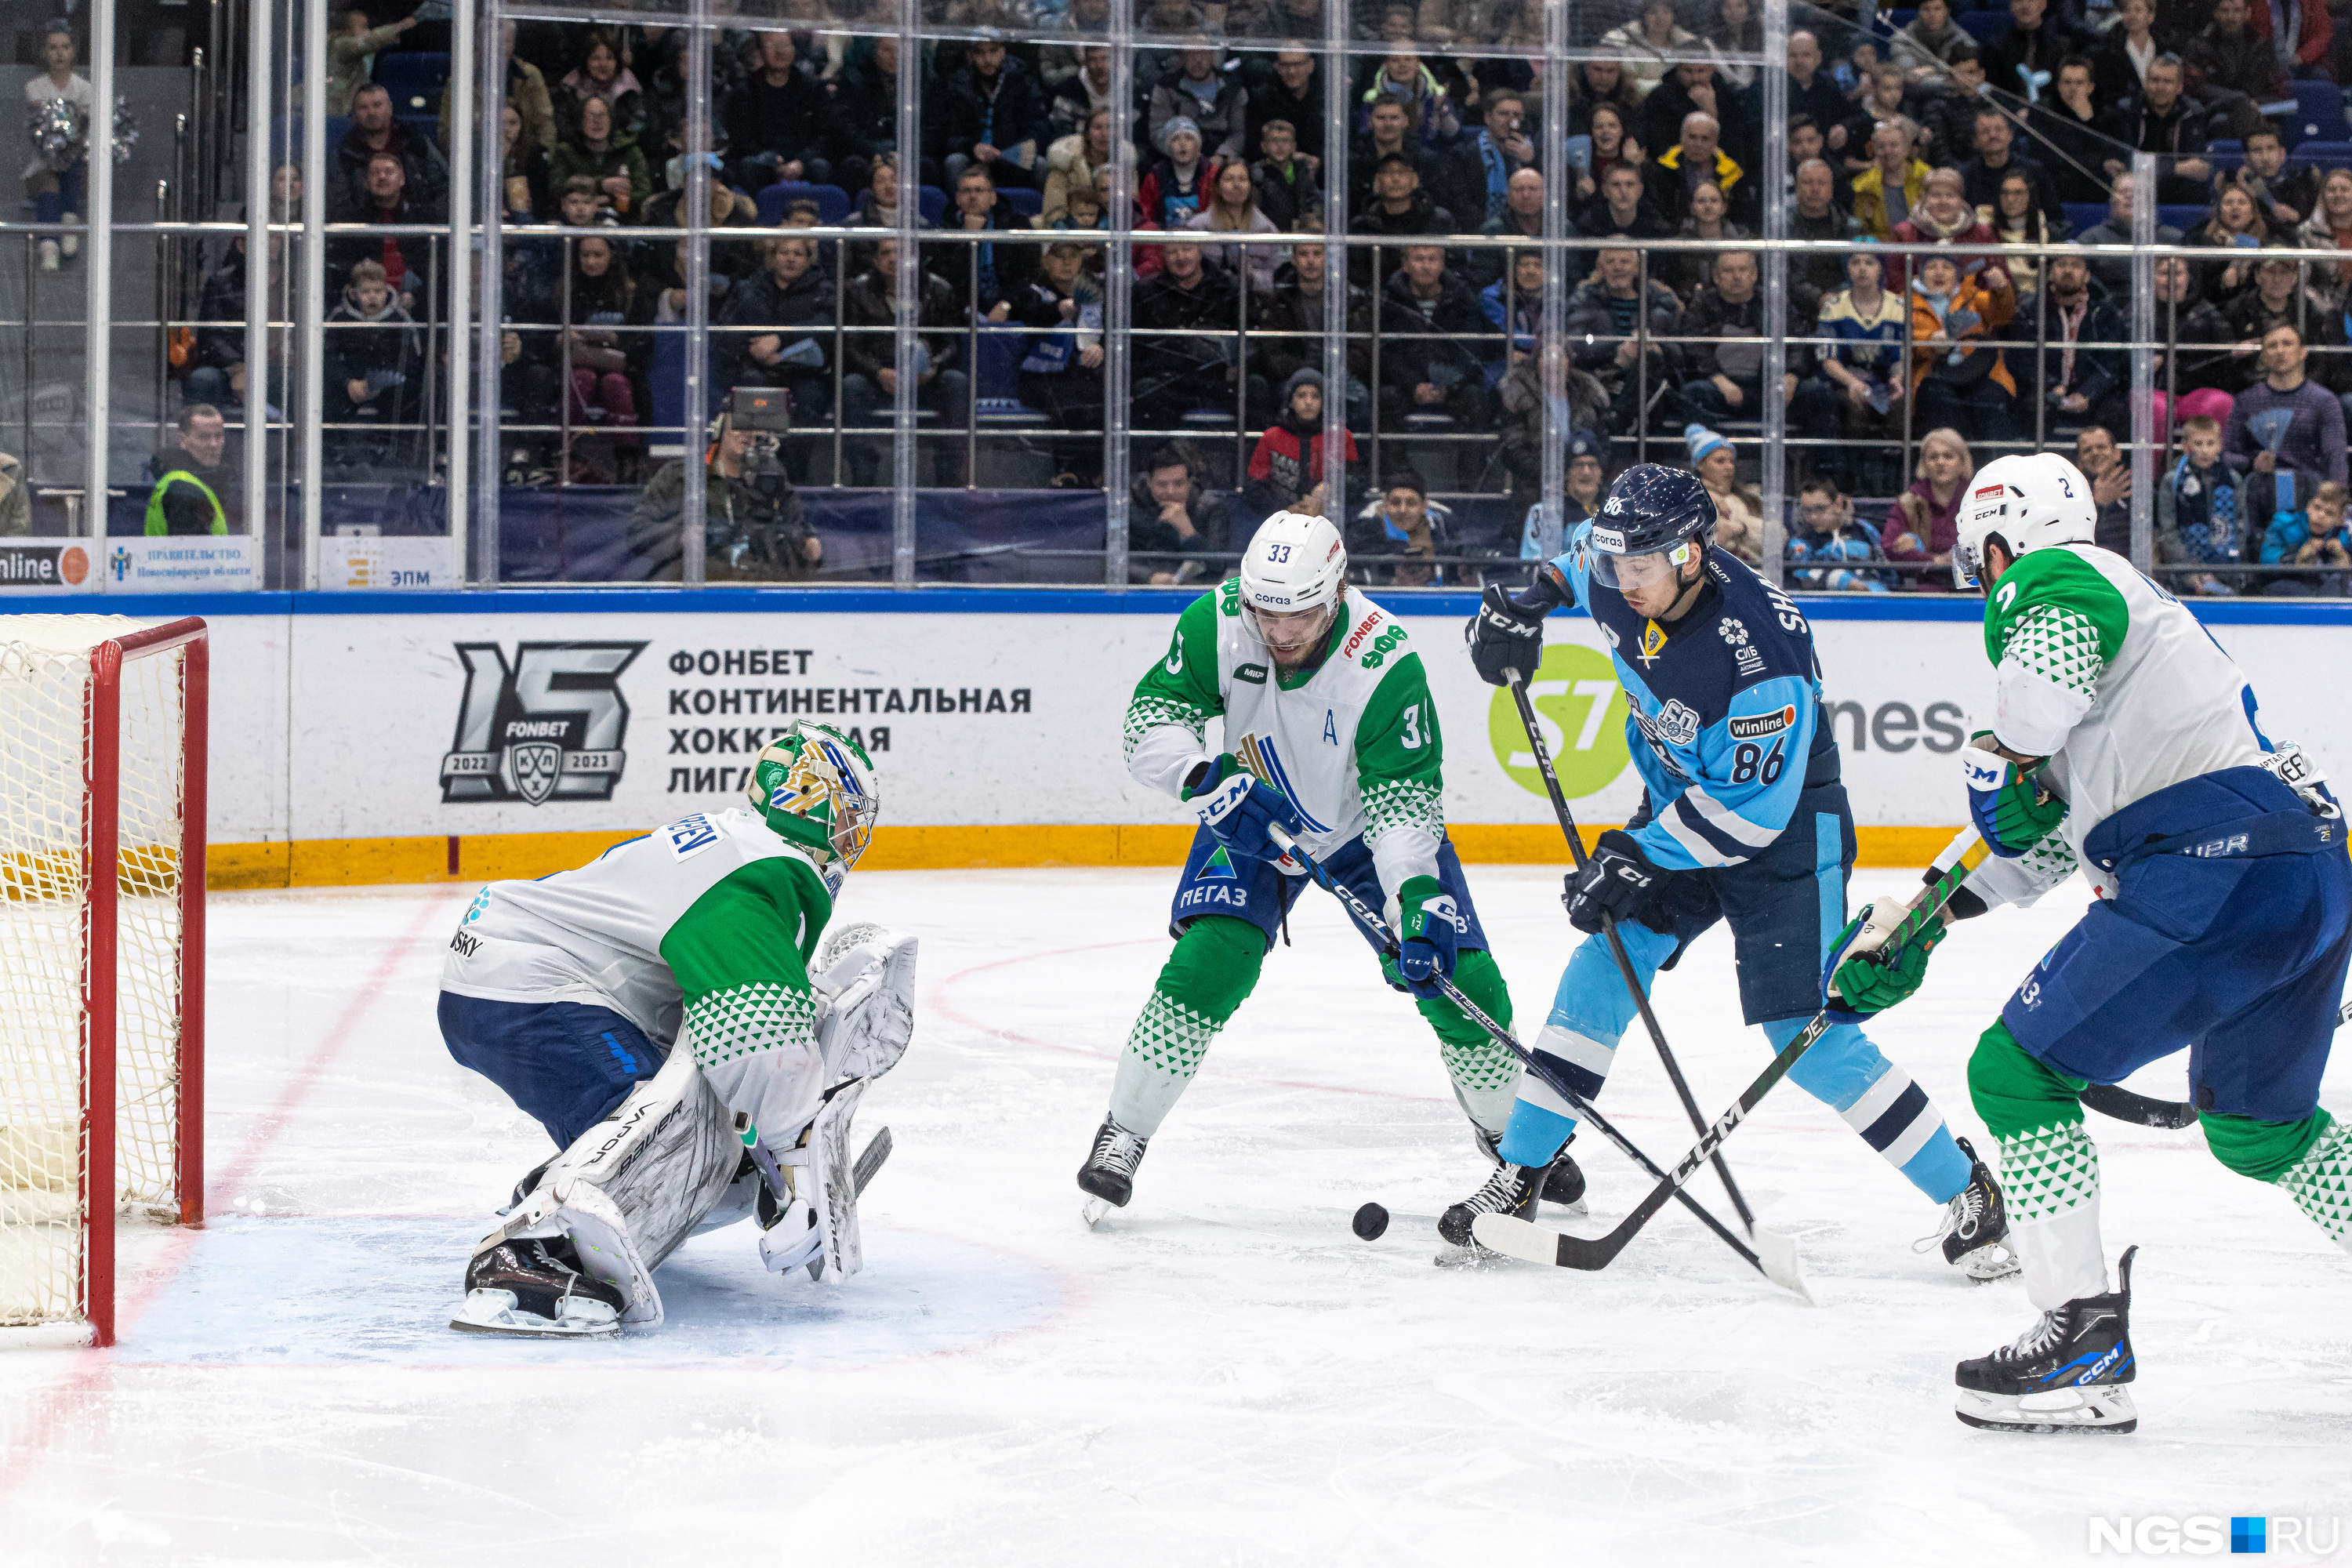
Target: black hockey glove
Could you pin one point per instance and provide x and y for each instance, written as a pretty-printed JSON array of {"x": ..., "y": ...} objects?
[
  {"x": 1506, "y": 633},
  {"x": 1618, "y": 881}
]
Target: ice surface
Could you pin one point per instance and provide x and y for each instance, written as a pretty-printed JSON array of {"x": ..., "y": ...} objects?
[{"x": 1223, "y": 1372}]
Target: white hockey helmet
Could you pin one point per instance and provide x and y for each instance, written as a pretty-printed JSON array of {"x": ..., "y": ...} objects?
[
  {"x": 815, "y": 787},
  {"x": 1296, "y": 563},
  {"x": 2029, "y": 502}
]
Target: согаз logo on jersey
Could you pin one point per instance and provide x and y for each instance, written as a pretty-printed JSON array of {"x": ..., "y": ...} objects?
[{"x": 549, "y": 727}]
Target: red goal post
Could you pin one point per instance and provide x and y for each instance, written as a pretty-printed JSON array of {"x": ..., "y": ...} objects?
[{"x": 102, "y": 797}]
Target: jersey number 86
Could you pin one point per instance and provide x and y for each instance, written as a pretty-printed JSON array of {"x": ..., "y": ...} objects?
[{"x": 1748, "y": 761}]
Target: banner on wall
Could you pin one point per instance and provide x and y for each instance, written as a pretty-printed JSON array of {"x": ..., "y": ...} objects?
[
  {"x": 200, "y": 563},
  {"x": 365, "y": 726},
  {"x": 49, "y": 566}
]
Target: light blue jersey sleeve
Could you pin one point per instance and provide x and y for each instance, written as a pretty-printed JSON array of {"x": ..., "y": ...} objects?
[{"x": 1750, "y": 769}]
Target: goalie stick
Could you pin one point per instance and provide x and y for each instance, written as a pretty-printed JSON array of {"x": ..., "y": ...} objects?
[
  {"x": 1617, "y": 944},
  {"x": 1773, "y": 1256},
  {"x": 1521, "y": 1238}
]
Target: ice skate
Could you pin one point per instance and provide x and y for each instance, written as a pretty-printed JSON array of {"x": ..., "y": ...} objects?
[
  {"x": 1975, "y": 1232},
  {"x": 1109, "y": 1175},
  {"x": 1512, "y": 1190},
  {"x": 2066, "y": 1374},
  {"x": 1563, "y": 1182},
  {"x": 534, "y": 1288}
]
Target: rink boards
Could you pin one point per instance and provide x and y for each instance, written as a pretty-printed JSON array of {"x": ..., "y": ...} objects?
[{"x": 388, "y": 738}]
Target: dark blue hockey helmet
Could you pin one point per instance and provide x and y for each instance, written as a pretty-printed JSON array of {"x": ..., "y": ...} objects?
[{"x": 1655, "y": 519}]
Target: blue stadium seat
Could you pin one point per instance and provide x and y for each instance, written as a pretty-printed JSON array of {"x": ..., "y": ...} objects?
[
  {"x": 415, "y": 79},
  {"x": 2319, "y": 113},
  {"x": 1022, "y": 200},
  {"x": 931, "y": 202},
  {"x": 2182, "y": 216},
  {"x": 1984, "y": 27},
  {"x": 832, "y": 202},
  {"x": 1893, "y": 22},
  {"x": 2322, "y": 154},
  {"x": 2225, "y": 155},
  {"x": 2081, "y": 215}
]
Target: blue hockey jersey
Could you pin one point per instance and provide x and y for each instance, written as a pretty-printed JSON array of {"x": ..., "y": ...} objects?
[{"x": 1723, "y": 720}]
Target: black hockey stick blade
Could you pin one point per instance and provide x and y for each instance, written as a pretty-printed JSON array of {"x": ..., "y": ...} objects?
[
  {"x": 877, "y": 1150},
  {"x": 2111, "y": 1100}
]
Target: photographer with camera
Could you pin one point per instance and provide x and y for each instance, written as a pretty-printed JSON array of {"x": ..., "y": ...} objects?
[{"x": 753, "y": 528}]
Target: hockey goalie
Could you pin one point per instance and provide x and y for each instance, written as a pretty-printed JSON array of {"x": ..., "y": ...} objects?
[{"x": 666, "y": 1014}]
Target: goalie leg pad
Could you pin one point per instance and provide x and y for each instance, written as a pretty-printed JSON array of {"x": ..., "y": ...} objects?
[
  {"x": 865, "y": 979},
  {"x": 821, "y": 1171},
  {"x": 636, "y": 1185}
]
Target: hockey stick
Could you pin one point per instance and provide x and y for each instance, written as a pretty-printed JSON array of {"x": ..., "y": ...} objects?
[
  {"x": 1774, "y": 1257},
  {"x": 1617, "y": 944},
  {"x": 2172, "y": 1115},
  {"x": 1519, "y": 1238},
  {"x": 877, "y": 1149}
]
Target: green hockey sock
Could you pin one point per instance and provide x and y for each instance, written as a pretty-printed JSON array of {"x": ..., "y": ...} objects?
[
  {"x": 1486, "y": 1075},
  {"x": 2310, "y": 1161},
  {"x": 2049, "y": 1168},
  {"x": 1214, "y": 965}
]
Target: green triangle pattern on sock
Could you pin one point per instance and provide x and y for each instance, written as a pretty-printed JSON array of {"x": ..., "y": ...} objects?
[
  {"x": 2048, "y": 1170},
  {"x": 1480, "y": 1066},
  {"x": 1170, "y": 1036},
  {"x": 2320, "y": 1185}
]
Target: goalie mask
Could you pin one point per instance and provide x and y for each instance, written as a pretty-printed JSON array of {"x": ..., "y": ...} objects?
[{"x": 817, "y": 788}]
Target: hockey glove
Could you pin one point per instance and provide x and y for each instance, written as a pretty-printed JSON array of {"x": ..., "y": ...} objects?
[
  {"x": 1862, "y": 976},
  {"x": 1237, "y": 807},
  {"x": 1507, "y": 634},
  {"x": 1619, "y": 882},
  {"x": 2010, "y": 809},
  {"x": 1432, "y": 928}
]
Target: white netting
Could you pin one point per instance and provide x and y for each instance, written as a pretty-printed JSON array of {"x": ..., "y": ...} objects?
[{"x": 45, "y": 910}]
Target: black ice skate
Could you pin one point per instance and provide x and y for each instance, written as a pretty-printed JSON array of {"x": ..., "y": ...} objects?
[
  {"x": 535, "y": 1287},
  {"x": 2066, "y": 1374},
  {"x": 1511, "y": 1190},
  {"x": 1975, "y": 1232},
  {"x": 1109, "y": 1175},
  {"x": 1563, "y": 1184}
]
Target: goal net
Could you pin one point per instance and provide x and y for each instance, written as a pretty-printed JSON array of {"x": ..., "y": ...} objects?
[{"x": 101, "y": 943}]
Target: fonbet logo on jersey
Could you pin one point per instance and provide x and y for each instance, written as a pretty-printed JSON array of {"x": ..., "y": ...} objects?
[{"x": 548, "y": 727}]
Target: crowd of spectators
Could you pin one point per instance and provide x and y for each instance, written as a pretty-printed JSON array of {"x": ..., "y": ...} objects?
[{"x": 1935, "y": 135}]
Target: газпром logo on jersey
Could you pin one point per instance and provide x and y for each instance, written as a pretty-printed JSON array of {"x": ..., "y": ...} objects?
[{"x": 549, "y": 727}]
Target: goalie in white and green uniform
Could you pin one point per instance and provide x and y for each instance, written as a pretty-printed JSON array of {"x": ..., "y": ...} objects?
[
  {"x": 2125, "y": 741},
  {"x": 572, "y": 993},
  {"x": 1328, "y": 732}
]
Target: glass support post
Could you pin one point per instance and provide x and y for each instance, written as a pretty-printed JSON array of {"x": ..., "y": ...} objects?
[
  {"x": 907, "y": 300},
  {"x": 1330, "y": 67},
  {"x": 2143, "y": 363},
  {"x": 1552, "y": 344},
  {"x": 461, "y": 254},
  {"x": 259, "y": 391},
  {"x": 489, "y": 359},
  {"x": 694, "y": 515},
  {"x": 311, "y": 293},
  {"x": 1119, "y": 296},
  {"x": 1774, "y": 76}
]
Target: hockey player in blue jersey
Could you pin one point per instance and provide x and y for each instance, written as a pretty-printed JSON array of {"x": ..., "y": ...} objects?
[{"x": 1743, "y": 819}]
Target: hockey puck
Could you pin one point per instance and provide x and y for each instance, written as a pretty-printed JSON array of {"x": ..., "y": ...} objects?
[{"x": 1371, "y": 1221}]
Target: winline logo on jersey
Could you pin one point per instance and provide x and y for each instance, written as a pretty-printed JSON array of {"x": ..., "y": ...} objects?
[
  {"x": 2211, "y": 1535},
  {"x": 1576, "y": 696},
  {"x": 548, "y": 727}
]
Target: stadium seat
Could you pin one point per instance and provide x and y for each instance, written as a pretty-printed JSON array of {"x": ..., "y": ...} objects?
[
  {"x": 1893, "y": 22},
  {"x": 1022, "y": 200},
  {"x": 2319, "y": 113},
  {"x": 415, "y": 79},
  {"x": 1984, "y": 27},
  {"x": 2081, "y": 215},
  {"x": 2321, "y": 154},
  {"x": 2225, "y": 155},
  {"x": 832, "y": 202},
  {"x": 931, "y": 202},
  {"x": 2182, "y": 216}
]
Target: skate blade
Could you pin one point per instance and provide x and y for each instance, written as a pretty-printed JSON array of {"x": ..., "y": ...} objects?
[
  {"x": 1095, "y": 1210},
  {"x": 1576, "y": 1210},
  {"x": 1995, "y": 1260},
  {"x": 2106, "y": 1410},
  {"x": 495, "y": 1313},
  {"x": 1471, "y": 1256},
  {"x": 1778, "y": 1254}
]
